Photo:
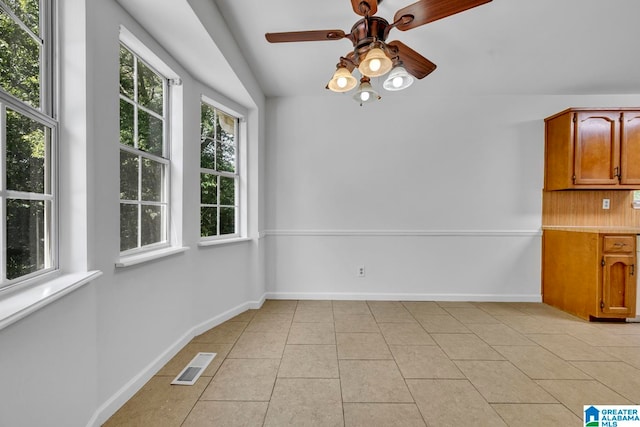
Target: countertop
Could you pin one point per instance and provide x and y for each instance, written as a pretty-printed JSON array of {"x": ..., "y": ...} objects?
[{"x": 595, "y": 229}]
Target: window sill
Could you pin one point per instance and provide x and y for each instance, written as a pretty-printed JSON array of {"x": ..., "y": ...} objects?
[
  {"x": 222, "y": 242},
  {"x": 19, "y": 303},
  {"x": 131, "y": 260}
]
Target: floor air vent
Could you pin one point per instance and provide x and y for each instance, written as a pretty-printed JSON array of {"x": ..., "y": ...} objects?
[{"x": 194, "y": 369}]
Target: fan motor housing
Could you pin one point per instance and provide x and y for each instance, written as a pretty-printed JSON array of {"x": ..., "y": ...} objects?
[{"x": 368, "y": 30}]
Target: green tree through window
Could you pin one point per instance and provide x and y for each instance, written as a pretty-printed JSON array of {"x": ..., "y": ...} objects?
[
  {"x": 144, "y": 164},
  {"x": 218, "y": 173},
  {"x": 28, "y": 139}
]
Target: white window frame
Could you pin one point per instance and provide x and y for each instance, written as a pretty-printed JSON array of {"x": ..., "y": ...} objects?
[
  {"x": 240, "y": 199},
  {"x": 46, "y": 115},
  {"x": 172, "y": 235}
]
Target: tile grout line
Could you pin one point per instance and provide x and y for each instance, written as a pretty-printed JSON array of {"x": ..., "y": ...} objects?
[
  {"x": 335, "y": 338},
  {"x": 275, "y": 380}
]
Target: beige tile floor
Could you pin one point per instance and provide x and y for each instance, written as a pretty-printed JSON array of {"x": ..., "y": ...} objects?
[{"x": 383, "y": 363}]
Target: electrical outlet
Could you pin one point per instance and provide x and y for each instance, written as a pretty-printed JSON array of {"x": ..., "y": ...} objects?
[
  {"x": 360, "y": 272},
  {"x": 606, "y": 203}
]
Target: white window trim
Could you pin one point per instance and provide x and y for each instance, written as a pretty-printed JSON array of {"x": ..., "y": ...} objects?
[
  {"x": 21, "y": 303},
  {"x": 222, "y": 241},
  {"x": 149, "y": 256},
  {"x": 173, "y": 244}
]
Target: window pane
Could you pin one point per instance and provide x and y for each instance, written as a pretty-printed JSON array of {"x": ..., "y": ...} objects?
[
  {"x": 207, "y": 154},
  {"x": 208, "y": 189},
  {"x": 218, "y": 193},
  {"x": 27, "y": 147},
  {"x": 126, "y": 73},
  {"x": 152, "y": 179},
  {"x": 27, "y": 242},
  {"x": 128, "y": 226},
  {"x": 227, "y": 191},
  {"x": 129, "y": 165},
  {"x": 207, "y": 120},
  {"x": 150, "y": 89},
  {"x": 152, "y": 221},
  {"x": 150, "y": 133},
  {"x": 208, "y": 221},
  {"x": 19, "y": 62},
  {"x": 227, "y": 221},
  {"x": 27, "y": 11},
  {"x": 226, "y": 157},
  {"x": 126, "y": 123}
]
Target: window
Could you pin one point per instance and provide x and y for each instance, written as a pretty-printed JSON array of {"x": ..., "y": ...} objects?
[
  {"x": 636, "y": 199},
  {"x": 144, "y": 160},
  {"x": 219, "y": 179},
  {"x": 28, "y": 131}
]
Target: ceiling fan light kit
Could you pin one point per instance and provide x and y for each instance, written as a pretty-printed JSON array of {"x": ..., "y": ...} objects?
[
  {"x": 365, "y": 93},
  {"x": 376, "y": 63},
  {"x": 398, "y": 79},
  {"x": 342, "y": 80},
  {"x": 372, "y": 55}
]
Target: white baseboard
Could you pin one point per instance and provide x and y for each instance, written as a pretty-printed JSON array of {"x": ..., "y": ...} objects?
[
  {"x": 402, "y": 297},
  {"x": 115, "y": 402}
]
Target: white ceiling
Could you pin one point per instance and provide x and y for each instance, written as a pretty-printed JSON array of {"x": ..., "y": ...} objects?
[{"x": 503, "y": 47}]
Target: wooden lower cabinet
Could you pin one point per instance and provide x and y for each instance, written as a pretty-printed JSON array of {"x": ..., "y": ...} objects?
[{"x": 589, "y": 274}]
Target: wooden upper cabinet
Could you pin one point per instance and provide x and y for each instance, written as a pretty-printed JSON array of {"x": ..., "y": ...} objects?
[
  {"x": 597, "y": 148},
  {"x": 592, "y": 149},
  {"x": 630, "y": 145}
]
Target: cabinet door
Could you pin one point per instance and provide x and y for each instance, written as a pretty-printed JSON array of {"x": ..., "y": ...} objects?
[
  {"x": 597, "y": 148},
  {"x": 630, "y": 148},
  {"x": 618, "y": 285}
]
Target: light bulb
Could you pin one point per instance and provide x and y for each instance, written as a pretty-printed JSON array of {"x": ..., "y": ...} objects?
[
  {"x": 375, "y": 64},
  {"x": 341, "y": 82},
  {"x": 364, "y": 96},
  {"x": 397, "y": 81}
]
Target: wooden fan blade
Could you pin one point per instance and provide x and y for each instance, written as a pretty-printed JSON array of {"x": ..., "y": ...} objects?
[
  {"x": 416, "y": 64},
  {"x": 426, "y": 11},
  {"x": 305, "y": 36},
  {"x": 365, "y": 7}
]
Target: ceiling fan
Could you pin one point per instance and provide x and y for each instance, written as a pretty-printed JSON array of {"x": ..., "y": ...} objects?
[{"x": 372, "y": 55}]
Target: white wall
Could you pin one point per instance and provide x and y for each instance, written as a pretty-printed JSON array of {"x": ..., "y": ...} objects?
[
  {"x": 75, "y": 361},
  {"x": 408, "y": 198},
  {"x": 439, "y": 197}
]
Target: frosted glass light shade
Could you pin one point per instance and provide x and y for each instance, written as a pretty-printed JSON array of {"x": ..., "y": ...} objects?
[
  {"x": 375, "y": 64},
  {"x": 366, "y": 94},
  {"x": 342, "y": 81},
  {"x": 398, "y": 79}
]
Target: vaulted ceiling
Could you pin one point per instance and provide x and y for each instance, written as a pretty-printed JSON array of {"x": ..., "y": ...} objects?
[
  {"x": 502, "y": 47},
  {"x": 506, "y": 46}
]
